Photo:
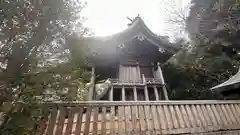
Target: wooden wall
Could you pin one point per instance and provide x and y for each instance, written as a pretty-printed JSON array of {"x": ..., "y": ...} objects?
[{"x": 129, "y": 74}]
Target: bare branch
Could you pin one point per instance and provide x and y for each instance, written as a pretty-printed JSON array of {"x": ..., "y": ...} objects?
[{"x": 177, "y": 15}]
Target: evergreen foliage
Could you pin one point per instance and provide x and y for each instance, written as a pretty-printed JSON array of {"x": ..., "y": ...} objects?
[{"x": 213, "y": 54}]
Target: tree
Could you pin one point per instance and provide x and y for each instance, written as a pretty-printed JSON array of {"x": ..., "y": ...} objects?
[
  {"x": 32, "y": 30},
  {"x": 210, "y": 60},
  {"x": 35, "y": 57},
  {"x": 177, "y": 12}
]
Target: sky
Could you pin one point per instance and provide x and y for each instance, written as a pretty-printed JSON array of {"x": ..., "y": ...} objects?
[{"x": 106, "y": 17}]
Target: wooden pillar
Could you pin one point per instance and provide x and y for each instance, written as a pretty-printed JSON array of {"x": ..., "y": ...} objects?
[
  {"x": 92, "y": 85},
  {"x": 165, "y": 92},
  {"x": 143, "y": 78},
  {"x": 160, "y": 94},
  {"x": 127, "y": 74},
  {"x": 163, "y": 82},
  {"x": 139, "y": 73},
  {"x": 135, "y": 93},
  {"x": 145, "y": 89},
  {"x": 160, "y": 73},
  {"x": 120, "y": 73},
  {"x": 123, "y": 94},
  {"x": 111, "y": 94},
  {"x": 146, "y": 93},
  {"x": 153, "y": 72},
  {"x": 156, "y": 92}
]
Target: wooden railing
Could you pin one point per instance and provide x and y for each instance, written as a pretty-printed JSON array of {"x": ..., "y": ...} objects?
[
  {"x": 116, "y": 81},
  {"x": 134, "y": 82},
  {"x": 157, "y": 117},
  {"x": 153, "y": 81}
]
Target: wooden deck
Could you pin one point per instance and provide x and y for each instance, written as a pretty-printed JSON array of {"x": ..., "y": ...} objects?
[{"x": 138, "y": 117}]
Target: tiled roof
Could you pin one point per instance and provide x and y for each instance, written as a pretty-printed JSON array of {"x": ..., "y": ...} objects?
[
  {"x": 232, "y": 83},
  {"x": 137, "y": 29}
]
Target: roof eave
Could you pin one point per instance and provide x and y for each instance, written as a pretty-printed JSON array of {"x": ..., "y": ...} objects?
[{"x": 226, "y": 88}]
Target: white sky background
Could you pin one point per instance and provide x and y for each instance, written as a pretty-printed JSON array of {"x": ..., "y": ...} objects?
[{"x": 105, "y": 17}]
